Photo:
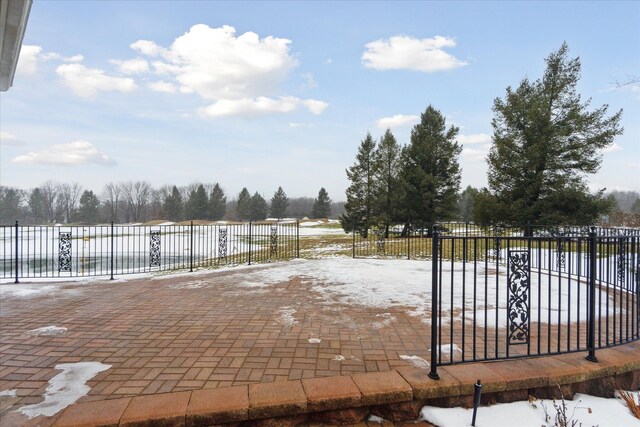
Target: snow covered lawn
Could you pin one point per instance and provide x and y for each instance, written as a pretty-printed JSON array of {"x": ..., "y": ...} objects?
[{"x": 584, "y": 410}]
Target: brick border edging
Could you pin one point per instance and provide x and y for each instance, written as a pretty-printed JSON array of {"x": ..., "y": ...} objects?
[{"x": 395, "y": 395}]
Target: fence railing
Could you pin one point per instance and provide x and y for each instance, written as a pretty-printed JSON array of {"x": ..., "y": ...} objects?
[
  {"x": 110, "y": 250},
  {"x": 506, "y": 292}
]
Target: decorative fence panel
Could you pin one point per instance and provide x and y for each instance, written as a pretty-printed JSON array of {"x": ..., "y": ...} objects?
[
  {"x": 109, "y": 250},
  {"x": 504, "y": 292}
]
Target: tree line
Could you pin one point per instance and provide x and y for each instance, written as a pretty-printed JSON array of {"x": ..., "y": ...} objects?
[
  {"x": 138, "y": 201},
  {"x": 545, "y": 142}
]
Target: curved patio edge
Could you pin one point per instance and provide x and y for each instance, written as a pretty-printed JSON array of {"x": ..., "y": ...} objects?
[{"x": 395, "y": 395}]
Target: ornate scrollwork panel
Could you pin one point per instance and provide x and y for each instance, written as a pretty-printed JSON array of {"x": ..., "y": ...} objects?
[
  {"x": 64, "y": 251},
  {"x": 222, "y": 243},
  {"x": 154, "y": 249},
  {"x": 622, "y": 259},
  {"x": 519, "y": 286},
  {"x": 380, "y": 241},
  {"x": 273, "y": 242}
]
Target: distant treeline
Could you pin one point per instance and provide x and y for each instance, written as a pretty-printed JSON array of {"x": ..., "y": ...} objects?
[{"x": 138, "y": 201}]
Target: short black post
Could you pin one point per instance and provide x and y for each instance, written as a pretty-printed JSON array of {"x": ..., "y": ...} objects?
[
  {"x": 111, "y": 250},
  {"x": 249, "y": 242},
  {"x": 191, "y": 248},
  {"x": 591, "y": 314},
  {"x": 297, "y": 238},
  {"x": 17, "y": 260},
  {"x": 477, "y": 392},
  {"x": 433, "y": 374}
]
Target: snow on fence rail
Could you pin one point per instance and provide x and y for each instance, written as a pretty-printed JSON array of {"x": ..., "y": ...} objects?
[{"x": 109, "y": 250}]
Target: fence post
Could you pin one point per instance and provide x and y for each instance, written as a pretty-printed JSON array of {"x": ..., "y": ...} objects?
[
  {"x": 297, "y": 238},
  {"x": 191, "y": 247},
  {"x": 17, "y": 260},
  {"x": 249, "y": 242},
  {"x": 111, "y": 251},
  {"x": 591, "y": 314},
  {"x": 433, "y": 374},
  {"x": 408, "y": 244},
  {"x": 353, "y": 244}
]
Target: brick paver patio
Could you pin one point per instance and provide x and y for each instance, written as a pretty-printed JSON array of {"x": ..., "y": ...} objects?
[{"x": 196, "y": 332}]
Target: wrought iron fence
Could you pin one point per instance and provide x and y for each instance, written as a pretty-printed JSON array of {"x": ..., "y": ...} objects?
[
  {"x": 504, "y": 292},
  {"x": 109, "y": 250}
]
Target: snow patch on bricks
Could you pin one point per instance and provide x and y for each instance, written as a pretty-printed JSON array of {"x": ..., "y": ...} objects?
[
  {"x": 9, "y": 393},
  {"x": 314, "y": 340},
  {"x": 416, "y": 361},
  {"x": 48, "y": 331},
  {"x": 65, "y": 388},
  {"x": 285, "y": 316}
]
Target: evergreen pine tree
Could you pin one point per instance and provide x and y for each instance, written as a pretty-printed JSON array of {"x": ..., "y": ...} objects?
[
  {"x": 89, "y": 208},
  {"x": 243, "y": 208},
  {"x": 545, "y": 142},
  {"x": 196, "y": 206},
  {"x": 430, "y": 172},
  {"x": 386, "y": 185},
  {"x": 217, "y": 203},
  {"x": 258, "y": 208},
  {"x": 466, "y": 203},
  {"x": 279, "y": 204},
  {"x": 173, "y": 206},
  {"x": 321, "y": 205},
  {"x": 360, "y": 193},
  {"x": 10, "y": 200},
  {"x": 37, "y": 206}
]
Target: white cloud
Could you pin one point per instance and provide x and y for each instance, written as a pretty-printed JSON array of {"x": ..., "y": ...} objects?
[
  {"x": 315, "y": 107},
  {"x": 475, "y": 154},
  {"x": 241, "y": 74},
  {"x": 217, "y": 64},
  {"x": 28, "y": 60},
  {"x": 68, "y": 154},
  {"x": 476, "y": 138},
  {"x": 408, "y": 53},
  {"x": 309, "y": 81},
  {"x": 162, "y": 86},
  {"x": 328, "y": 61},
  {"x": 259, "y": 106},
  {"x": 132, "y": 66},
  {"x": 86, "y": 82},
  {"x": 611, "y": 148},
  {"x": 9, "y": 140},
  {"x": 300, "y": 125},
  {"x": 146, "y": 47},
  {"x": 397, "y": 121}
]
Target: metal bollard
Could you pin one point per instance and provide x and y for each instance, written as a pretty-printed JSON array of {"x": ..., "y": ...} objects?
[{"x": 477, "y": 392}]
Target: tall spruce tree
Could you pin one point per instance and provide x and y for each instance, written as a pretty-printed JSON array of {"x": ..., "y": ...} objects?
[
  {"x": 196, "y": 206},
  {"x": 430, "y": 171},
  {"x": 258, "y": 207},
  {"x": 279, "y": 204},
  {"x": 243, "y": 208},
  {"x": 217, "y": 203},
  {"x": 89, "y": 207},
  {"x": 544, "y": 143},
  {"x": 386, "y": 185},
  {"x": 321, "y": 205},
  {"x": 359, "y": 211},
  {"x": 174, "y": 206}
]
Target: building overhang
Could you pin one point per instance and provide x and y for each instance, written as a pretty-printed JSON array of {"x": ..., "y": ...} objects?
[{"x": 14, "y": 15}]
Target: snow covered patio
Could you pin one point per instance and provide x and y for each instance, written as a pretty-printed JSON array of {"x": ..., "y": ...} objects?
[{"x": 262, "y": 324}]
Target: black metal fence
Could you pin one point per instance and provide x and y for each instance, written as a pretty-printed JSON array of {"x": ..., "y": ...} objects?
[
  {"x": 109, "y": 250},
  {"x": 505, "y": 292}
]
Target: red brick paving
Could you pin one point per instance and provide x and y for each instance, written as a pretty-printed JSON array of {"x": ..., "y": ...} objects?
[{"x": 160, "y": 337}]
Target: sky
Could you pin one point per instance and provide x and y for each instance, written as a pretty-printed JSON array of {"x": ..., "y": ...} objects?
[{"x": 269, "y": 94}]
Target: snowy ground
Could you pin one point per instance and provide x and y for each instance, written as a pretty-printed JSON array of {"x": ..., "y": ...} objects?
[
  {"x": 383, "y": 283},
  {"x": 584, "y": 410}
]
